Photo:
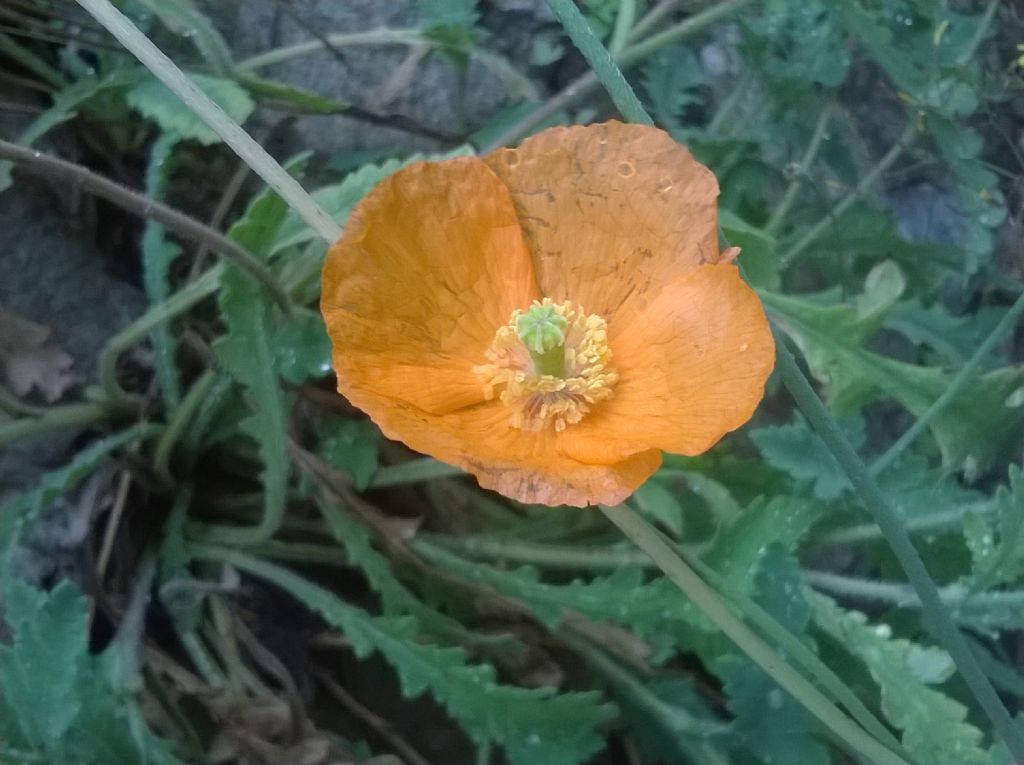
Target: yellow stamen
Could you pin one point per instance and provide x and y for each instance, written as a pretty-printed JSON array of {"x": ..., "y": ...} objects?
[{"x": 536, "y": 399}]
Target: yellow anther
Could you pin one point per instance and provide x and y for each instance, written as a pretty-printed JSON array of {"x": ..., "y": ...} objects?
[{"x": 536, "y": 398}]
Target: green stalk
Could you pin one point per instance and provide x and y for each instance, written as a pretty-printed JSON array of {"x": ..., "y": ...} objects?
[
  {"x": 959, "y": 381},
  {"x": 623, "y": 25},
  {"x": 896, "y": 535},
  {"x": 57, "y": 418},
  {"x": 600, "y": 60},
  {"x": 701, "y": 595},
  {"x": 121, "y": 27}
]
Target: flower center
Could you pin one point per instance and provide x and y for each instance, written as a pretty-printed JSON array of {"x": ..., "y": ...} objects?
[{"x": 550, "y": 363}]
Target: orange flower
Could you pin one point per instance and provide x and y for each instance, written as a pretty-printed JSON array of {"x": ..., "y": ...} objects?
[{"x": 549, "y": 318}]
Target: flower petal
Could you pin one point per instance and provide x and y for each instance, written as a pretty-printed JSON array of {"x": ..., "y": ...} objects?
[
  {"x": 431, "y": 263},
  {"x": 527, "y": 467},
  {"x": 692, "y": 367},
  {"x": 610, "y": 212}
]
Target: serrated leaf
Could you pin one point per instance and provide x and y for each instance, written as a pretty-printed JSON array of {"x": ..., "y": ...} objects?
[
  {"x": 657, "y": 503},
  {"x": 933, "y": 725},
  {"x": 536, "y": 726},
  {"x": 798, "y": 451},
  {"x": 153, "y": 100},
  {"x": 775, "y": 727},
  {"x": 654, "y": 610},
  {"x": 996, "y": 541},
  {"x": 972, "y": 432},
  {"x": 738, "y": 548},
  {"x": 65, "y": 102},
  {"x": 183, "y": 18},
  {"x": 954, "y": 338},
  {"x": 351, "y": 446},
  {"x": 757, "y": 250},
  {"x": 302, "y": 347},
  {"x": 17, "y": 511},
  {"x": 40, "y": 669},
  {"x": 157, "y": 254},
  {"x": 669, "y": 79}
]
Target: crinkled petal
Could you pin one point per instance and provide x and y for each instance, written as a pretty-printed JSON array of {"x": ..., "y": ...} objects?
[
  {"x": 611, "y": 212},
  {"x": 431, "y": 263},
  {"x": 692, "y": 367},
  {"x": 527, "y": 467}
]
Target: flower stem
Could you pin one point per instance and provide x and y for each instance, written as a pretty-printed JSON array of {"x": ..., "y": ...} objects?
[
  {"x": 964, "y": 376},
  {"x": 600, "y": 60},
  {"x": 623, "y": 25},
  {"x": 686, "y": 579},
  {"x": 230, "y": 132},
  {"x": 632, "y": 54},
  {"x": 899, "y": 540}
]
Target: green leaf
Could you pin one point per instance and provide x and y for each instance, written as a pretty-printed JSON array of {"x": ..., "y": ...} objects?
[
  {"x": 972, "y": 432},
  {"x": 65, "y": 102},
  {"x": 669, "y": 79},
  {"x": 654, "y": 610},
  {"x": 996, "y": 540},
  {"x": 60, "y": 703},
  {"x": 536, "y": 726},
  {"x": 157, "y": 254},
  {"x": 447, "y": 13},
  {"x": 773, "y": 725},
  {"x": 758, "y": 257},
  {"x": 302, "y": 347},
  {"x": 954, "y": 338},
  {"x": 22, "y": 508},
  {"x": 657, "y": 503},
  {"x": 153, "y": 100},
  {"x": 351, "y": 446},
  {"x": 798, "y": 451},
  {"x": 737, "y": 549},
  {"x": 40, "y": 669},
  {"x": 183, "y": 18},
  {"x": 934, "y": 726}
]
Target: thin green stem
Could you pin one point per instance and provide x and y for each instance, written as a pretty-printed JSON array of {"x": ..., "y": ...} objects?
[
  {"x": 899, "y": 594},
  {"x": 778, "y": 216},
  {"x": 942, "y": 520},
  {"x": 10, "y": 48},
  {"x": 956, "y": 385},
  {"x": 814, "y": 232},
  {"x": 728, "y": 106},
  {"x": 546, "y": 555},
  {"x": 701, "y": 595},
  {"x": 688, "y": 732},
  {"x": 601, "y": 62},
  {"x": 136, "y": 332},
  {"x": 57, "y": 418},
  {"x": 623, "y": 26},
  {"x": 73, "y": 174},
  {"x": 412, "y": 471},
  {"x": 178, "y": 423},
  {"x": 653, "y": 18},
  {"x": 343, "y": 40},
  {"x": 209, "y": 112},
  {"x": 587, "y": 83},
  {"x": 896, "y": 535}
]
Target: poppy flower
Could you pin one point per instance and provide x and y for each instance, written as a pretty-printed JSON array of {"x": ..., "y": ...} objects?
[{"x": 549, "y": 318}]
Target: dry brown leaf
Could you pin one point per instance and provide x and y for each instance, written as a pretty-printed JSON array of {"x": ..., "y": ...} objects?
[{"x": 28, "y": 361}]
